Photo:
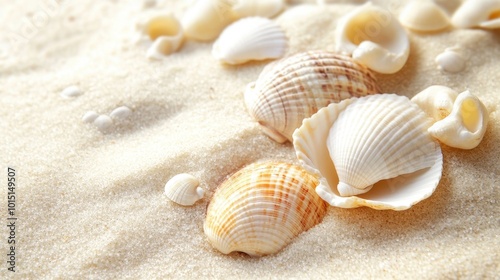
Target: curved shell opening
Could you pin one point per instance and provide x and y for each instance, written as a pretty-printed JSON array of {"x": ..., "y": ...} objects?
[
  {"x": 163, "y": 26},
  {"x": 471, "y": 115}
]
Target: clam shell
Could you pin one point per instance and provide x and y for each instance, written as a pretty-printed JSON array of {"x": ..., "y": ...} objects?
[
  {"x": 296, "y": 87},
  {"x": 262, "y": 207},
  {"x": 206, "y": 19},
  {"x": 253, "y": 38},
  {"x": 477, "y": 13},
  {"x": 466, "y": 124},
  {"x": 374, "y": 37},
  {"x": 424, "y": 16},
  {"x": 374, "y": 145},
  {"x": 436, "y": 101},
  {"x": 184, "y": 189},
  {"x": 263, "y": 8}
]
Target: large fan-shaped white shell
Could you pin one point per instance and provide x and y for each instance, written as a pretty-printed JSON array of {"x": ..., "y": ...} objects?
[
  {"x": 253, "y": 38},
  {"x": 398, "y": 193},
  {"x": 374, "y": 37},
  {"x": 377, "y": 138}
]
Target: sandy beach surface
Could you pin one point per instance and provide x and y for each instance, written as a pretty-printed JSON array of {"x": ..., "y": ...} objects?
[{"x": 91, "y": 205}]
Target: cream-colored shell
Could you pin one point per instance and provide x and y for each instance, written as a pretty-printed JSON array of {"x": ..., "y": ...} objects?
[
  {"x": 251, "y": 38},
  {"x": 294, "y": 88},
  {"x": 465, "y": 126},
  {"x": 436, "y": 101},
  {"x": 478, "y": 13},
  {"x": 206, "y": 19},
  {"x": 381, "y": 135},
  {"x": 162, "y": 34},
  {"x": 262, "y": 207},
  {"x": 184, "y": 189},
  {"x": 263, "y": 8},
  {"x": 450, "y": 61},
  {"x": 374, "y": 37},
  {"x": 424, "y": 16}
]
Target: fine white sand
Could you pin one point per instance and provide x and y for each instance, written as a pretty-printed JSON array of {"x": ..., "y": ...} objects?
[{"x": 90, "y": 204}]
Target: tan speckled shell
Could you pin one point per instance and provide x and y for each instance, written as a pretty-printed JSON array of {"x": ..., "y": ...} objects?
[
  {"x": 262, "y": 207},
  {"x": 296, "y": 87}
]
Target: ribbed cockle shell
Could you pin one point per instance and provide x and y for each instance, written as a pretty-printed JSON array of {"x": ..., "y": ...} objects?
[
  {"x": 296, "y": 87},
  {"x": 262, "y": 207}
]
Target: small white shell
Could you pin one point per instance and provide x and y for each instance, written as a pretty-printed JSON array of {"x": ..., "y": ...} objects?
[
  {"x": 465, "y": 126},
  {"x": 71, "y": 91},
  {"x": 424, "y": 16},
  {"x": 252, "y": 38},
  {"x": 378, "y": 135},
  {"x": 478, "y": 13},
  {"x": 122, "y": 112},
  {"x": 162, "y": 34},
  {"x": 436, "y": 101},
  {"x": 262, "y": 207},
  {"x": 206, "y": 19},
  {"x": 90, "y": 116},
  {"x": 184, "y": 189},
  {"x": 263, "y": 8},
  {"x": 450, "y": 61},
  {"x": 103, "y": 122},
  {"x": 374, "y": 37}
]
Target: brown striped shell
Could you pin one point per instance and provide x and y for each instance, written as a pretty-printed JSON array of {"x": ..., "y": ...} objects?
[
  {"x": 296, "y": 87},
  {"x": 262, "y": 207}
]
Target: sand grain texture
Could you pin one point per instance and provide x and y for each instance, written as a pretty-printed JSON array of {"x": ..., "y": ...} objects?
[{"x": 91, "y": 204}]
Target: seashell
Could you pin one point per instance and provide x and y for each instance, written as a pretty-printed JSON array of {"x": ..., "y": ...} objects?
[
  {"x": 90, "y": 116},
  {"x": 121, "y": 112},
  {"x": 374, "y": 37},
  {"x": 450, "y": 61},
  {"x": 262, "y": 8},
  {"x": 162, "y": 34},
  {"x": 296, "y": 87},
  {"x": 378, "y": 140},
  {"x": 103, "y": 122},
  {"x": 424, "y": 16},
  {"x": 477, "y": 13},
  {"x": 184, "y": 189},
  {"x": 206, "y": 19},
  {"x": 71, "y": 92},
  {"x": 262, "y": 207},
  {"x": 436, "y": 101},
  {"x": 465, "y": 126},
  {"x": 253, "y": 38}
]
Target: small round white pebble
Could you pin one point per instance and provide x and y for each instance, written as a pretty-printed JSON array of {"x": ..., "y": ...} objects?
[
  {"x": 122, "y": 112},
  {"x": 90, "y": 116},
  {"x": 103, "y": 122},
  {"x": 450, "y": 61},
  {"x": 71, "y": 92}
]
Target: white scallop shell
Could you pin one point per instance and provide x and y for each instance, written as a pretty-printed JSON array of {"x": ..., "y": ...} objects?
[
  {"x": 450, "y": 61},
  {"x": 295, "y": 87},
  {"x": 478, "y": 13},
  {"x": 262, "y": 207},
  {"x": 184, "y": 189},
  {"x": 436, "y": 101},
  {"x": 206, "y": 19},
  {"x": 424, "y": 16},
  {"x": 374, "y": 37},
  {"x": 465, "y": 126},
  {"x": 401, "y": 191},
  {"x": 252, "y": 38},
  {"x": 263, "y": 8}
]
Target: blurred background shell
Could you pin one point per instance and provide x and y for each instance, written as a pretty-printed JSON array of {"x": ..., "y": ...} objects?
[
  {"x": 295, "y": 87},
  {"x": 262, "y": 207}
]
